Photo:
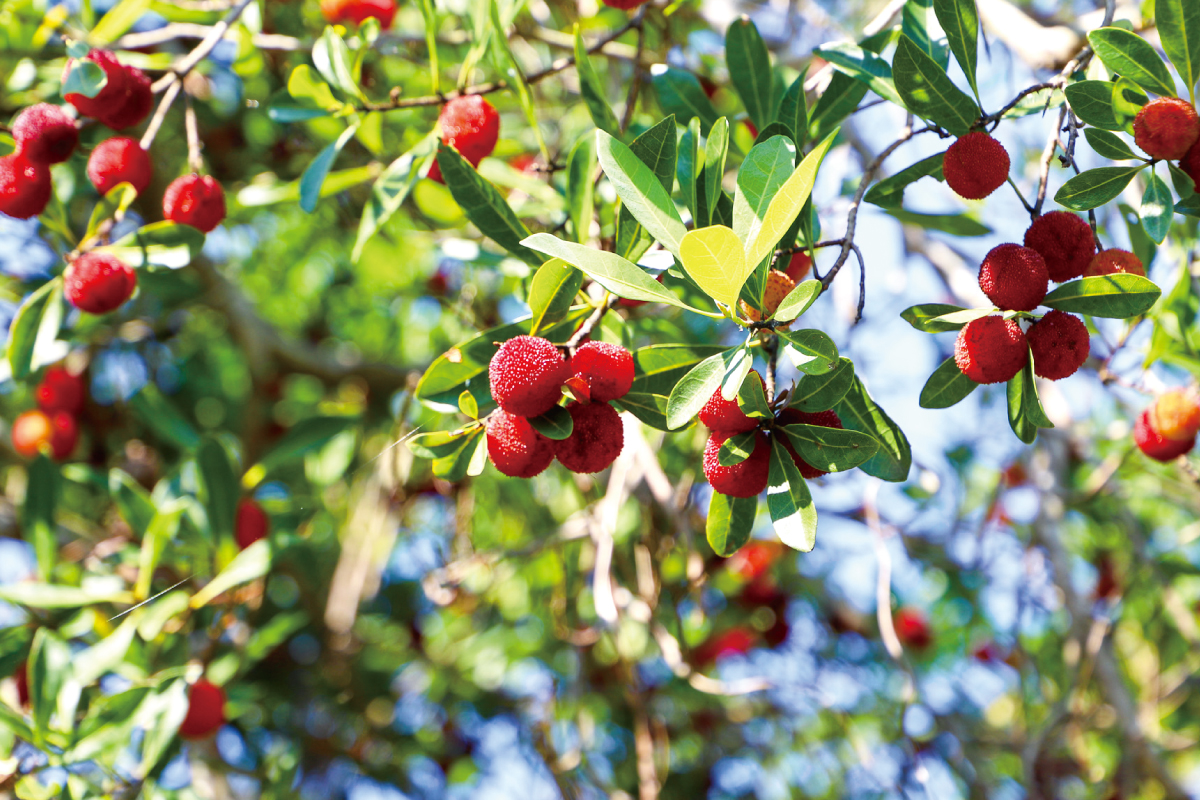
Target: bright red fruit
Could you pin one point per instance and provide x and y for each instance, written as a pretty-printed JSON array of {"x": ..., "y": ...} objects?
[
  {"x": 991, "y": 349},
  {"x": 1154, "y": 444},
  {"x": 799, "y": 266},
  {"x": 607, "y": 369},
  {"x": 1176, "y": 414},
  {"x": 34, "y": 431},
  {"x": 356, "y": 12},
  {"x": 251, "y": 523},
  {"x": 1112, "y": 261},
  {"x": 735, "y": 641},
  {"x": 1166, "y": 128},
  {"x": 126, "y": 98},
  {"x": 472, "y": 126},
  {"x": 975, "y": 166},
  {"x": 60, "y": 391},
  {"x": 119, "y": 160},
  {"x": 45, "y": 134},
  {"x": 98, "y": 283},
  {"x": 755, "y": 559},
  {"x": 526, "y": 375},
  {"x": 515, "y": 447},
  {"x": 196, "y": 200},
  {"x": 746, "y": 478},
  {"x": 24, "y": 186},
  {"x": 726, "y": 416},
  {"x": 206, "y": 710},
  {"x": 1014, "y": 277},
  {"x": 912, "y": 629},
  {"x": 1065, "y": 242},
  {"x": 596, "y": 440},
  {"x": 794, "y": 416},
  {"x": 1059, "y": 343}
]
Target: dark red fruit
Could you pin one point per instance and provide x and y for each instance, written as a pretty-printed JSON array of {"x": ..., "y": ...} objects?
[
  {"x": 35, "y": 431},
  {"x": 1065, "y": 243},
  {"x": 735, "y": 641},
  {"x": 912, "y": 629},
  {"x": 526, "y": 375},
  {"x": 515, "y": 447},
  {"x": 22, "y": 680},
  {"x": 596, "y": 440},
  {"x": 794, "y": 416},
  {"x": 991, "y": 350},
  {"x": 1190, "y": 164},
  {"x": 607, "y": 369},
  {"x": 1113, "y": 261},
  {"x": 975, "y": 166},
  {"x": 1059, "y": 344},
  {"x": 119, "y": 160},
  {"x": 45, "y": 134},
  {"x": 195, "y": 200},
  {"x": 472, "y": 126},
  {"x": 1013, "y": 277},
  {"x": 1166, "y": 128},
  {"x": 746, "y": 478},
  {"x": 1154, "y": 444},
  {"x": 206, "y": 710},
  {"x": 726, "y": 416},
  {"x": 98, "y": 283},
  {"x": 60, "y": 391},
  {"x": 251, "y": 523},
  {"x": 24, "y": 186}
]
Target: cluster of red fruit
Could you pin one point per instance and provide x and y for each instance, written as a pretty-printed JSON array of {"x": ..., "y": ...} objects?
[
  {"x": 527, "y": 377},
  {"x": 1167, "y": 429},
  {"x": 52, "y": 427}
]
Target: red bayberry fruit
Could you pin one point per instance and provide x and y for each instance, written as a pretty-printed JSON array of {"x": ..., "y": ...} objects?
[
  {"x": 912, "y": 629},
  {"x": 1065, "y": 242},
  {"x": 1112, "y": 261},
  {"x": 22, "y": 680},
  {"x": 753, "y": 560},
  {"x": 726, "y": 416},
  {"x": 607, "y": 369},
  {"x": 472, "y": 126},
  {"x": 1176, "y": 414},
  {"x": 1059, "y": 344},
  {"x": 799, "y": 266},
  {"x": 515, "y": 447},
  {"x": 1190, "y": 163},
  {"x": 251, "y": 523},
  {"x": 986, "y": 653},
  {"x": 60, "y": 391},
  {"x": 624, "y": 5},
  {"x": 99, "y": 283},
  {"x": 125, "y": 100},
  {"x": 45, "y": 134},
  {"x": 975, "y": 166},
  {"x": 744, "y": 479},
  {"x": 735, "y": 641},
  {"x": 119, "y": 160},
  {"x": 1166, "y": 128},
  {"x": 206, "y": 710},
  {"x": 34, "y": 431},
  {"x": 779, "y": 285},
  {"x": 195, "y": 200},
  {"x": 596, "y": 440},
  {"x": 1154, "y": 444},
  {"x": 794, "y": 416},
  {"x": 357, "y": 12},
  {"x": 24, "y": 186},
  {"x": 1013, "y": 277},
  {"x": 991, "y": 350},
  {"x": 527, "y": 375},
  {"x": 137, "y": 100}
]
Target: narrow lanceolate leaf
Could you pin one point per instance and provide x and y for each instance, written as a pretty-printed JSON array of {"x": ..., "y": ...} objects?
[
  {"x": 484, "y": 205},
  {"x": 694, "y": 390},
  {"x": 822, "y": 392},
  {"x": 839, "y": 99},
  {"x": 680, "y": 94},
  {"x": 314, "y": 175},
  {"x": 592, "y": 90},
  {"x": 1157, "y": 209},
  {"x": 715, "y": 151},
  {"x": 859, "y": 412},
  {"x": 922, "y": 317},
  {"x": 23, "y": 334},
  {"x": 1132, "y": 57},
  {"x": 793, "y": 513},
  {"x": 737, "y": 449},
  {"x": 737, "y": 371},
  {"x": 37, "y": 517},
  {"x": 928, "y": 91},
  {"x": 730, "y": 520},
  {"x": 946, "y": 386},
  {"x": 919, "y": 23},
  {"x": 691, "y": 162},
  {"x": 1109, "y": 145},
  {"x": 798, "y": 300},
  {"x": 793, "y": 111},
  {"x": 250, "y": 564},
  {"x": 764, "y": 171},
  {"x": 1025, "y": 413},
  {"x": 581, "y": 164},
  {"x": 750, "y": 69},
  {"x": 391, "y": 188},
  {"x": 862, "y": 65},
  {"x": 714, "y": 259},
  {"x": 554, "y": 286},
  {"x": 1118, "y": 296},
  {"x": 1178, "y": 24},
  {"x": 640, "y": 191},
  {"x": 333, "y": 60},
  {"x": 1095, "y": 187},
  {"x": 502, "y": 57},
  {"x": 889, "y": 192},
  {"x": 656, "y": 148},
  {"x": 159, "y": 533},
  {"x": 785, "y": 206},
  {"x": 960, "y": 20}
]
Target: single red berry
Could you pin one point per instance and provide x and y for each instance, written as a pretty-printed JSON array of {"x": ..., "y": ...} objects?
[
  {"x": 112, "y": 95},
  {"x": 1014, "y": 277},
  {"x": 35, "y": 431},
  {"x": 24, "y": 186},
  {"x": 1059, "y": 344},
  {"x": 1065, "y": 242},
  {"x": 986, "y": 653},
  {"x": 251, "y": 523},
  {"x": 1154, "y": 444},
  {"x": 735, "y": 641},
  {"x": 794, "y": 416},
  {"x": 799, "y": 266},
  {"x": 755, "y": 559},
  {"x": 991, "y": 349},
  {"x": 912, "y": 629},
  {"x": 1190, "y": 164},
  {"x": 1166, "y": 128},
  {"x": 356, "y": 12},
  {"x": 1176, "y": 414},
  {"x": 60, "y": 391},
  {"x": 206, "y": 710},
  {"x": 624, "y": 5},
  {"x": 527, "y": 374},
  {"x": 45, "y": 134},
  {"x": 22, "y": 680},
  {"x": 606, "y": 368},
  {"x": 98, "y": 283},
  {"x": 746, "y": 478},
  {"x": 726, "y": 416},
  {"x": 515, "y": 447},
  {"x": 472, "y": 126},
  {"x": 975, "y": 166},
  {"x": 596, "y": 440},
  {"x": 137, "y": 99},
  {"x": 195, "y": 200},
  {"x": 1112, "y": 261},
  {"x": 119, "y": 160}
]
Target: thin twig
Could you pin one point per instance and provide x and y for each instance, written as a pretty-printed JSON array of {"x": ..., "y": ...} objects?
[
  {"x": 195, "y": 162},
  {"x": 160, "y": 115}
]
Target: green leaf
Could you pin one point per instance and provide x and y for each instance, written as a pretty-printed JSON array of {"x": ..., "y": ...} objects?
[
  {"x": 1109, "y": 145},
  {"x": 714, "y": 259},
  {"x": 831, "y": 449},
  {"x": 640, "y": 191},
  {"x": 1095, "y": 187},
  {"x": 436, "y": 444},
  {"x": 792, "y": 511},
  {"x": 752, "y": 398},
  {"x": 960, "y": 20},
  {"x": 695, "y": 389},
  {"x": 484, "y": 205},
  {"x": 506, "y": 63},
  {"x": 750, "y": 69},
  {"x": 581, "y": 206},
  {"x": 793, "y": 111},
  {"x": 822, "y": 392},
  {"x": 162, "y": 714},
  {"x": 248, "y": 565},
  {"x": 221, "y": 490},
  {"x": 47, "y": 669},
  {"x": 314, "y": 175},
  {"x": 160, "y": 244},
  {"x": 785, "y": 206},
  {"x": 658, "y": 367},
  {"x": 1092, "y": 102},
  {"x": 737, "y": 370},
  {"x": 690, "y": 167},
  {"x": 132, "y": 501},
  {"x": 919, "y": 23},
  {"x": 593, "y": 91},
  {"x": 859, "y": 412},
  {"x": 1132, "y": 57},
  {"x": 1157, "y": 209},
  {"x": 159, "y": 533},
  {"x": 928, "y": 91},
  {"x": 113, "y": 205},
  {"x": 163, "y": 418},
  {"x": 85, "y": 78},
  {"x": 1178, "y": 23},
  {"x": 551, "y": 292},
  {"x": 716, "y": 148},
  {"x": 1118, "y": 296},
  {"x": 391, "y": 189},
  {"x": 464, "y": 461},
  {"x": 310, "y": 91},
  {"x": 730, "y": 520},
  {"x": 116, "y": 21},
  {"x": 889, "y": 192},
  {"x": 335, "y": 62},
  {"x": 737, "y": 449},
  {"x": 812, "y": 351},
  {"x": 862, "y": 65},
  {"x": 680, "y": 95},
  {"x": 48, "y": 595},
  {"x": 946, "y": 386},
  {"x": 760, "y": 177},
  {"x": 37, "y": 515},
  {"x": 656, "y": 147},
  {"x": 555, "y": 424},
  {"x": 1025, "y": 414},
  {"x": 954, "y": 224},
  {"x": 840, "y": 98},
  {"x": 926, "y": 317},
  {"x": 798, "y": 300},
  {"x": 23, "y": 335},
  {"x": 303, "y": 437}
]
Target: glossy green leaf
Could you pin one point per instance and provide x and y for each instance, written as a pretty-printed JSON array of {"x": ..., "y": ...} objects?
[
  {"x": 750, "y": 69},
  {"x": 160, "y": 244},
  {"x": 1178, "y": 23},
  {"x": 864, "y": 66},
  {"x": 689, "y": 168},
  {"x": 760, "y": 177},
  {"x": 889, "y": 192},
  {"x": 220, "y": 486},
  {"x": 391, "y": 189},
  {"x": 798, "y": 300},
  {"x": 1109, "y": 145},
  {"x": 811, "y": 351},
  {"x": 555, "y": 424},
  {"x": 793, "y": 514},
  {"x": 822, "y": 392},
  {"x": 840, "y": 98},
  {"x": 467, "y": 460},
  {"x": 1118, "y": 296},
  {"x": 680, "y": 95},
  {"x": 335, "y": 62},
  {"x": 656, "y": 148},
  {"x": 47, "y": 670},
  {"x": 436, "y": 444},
  {"x": 1157, "y": 209},
  {"x": 507, "y": 64},
  {"x": 250, "y": 564},
  {"x": 85, "y": 78},
  {"x": 695, "y": 389},
  {"x": 1132, "y": 57},
  {"x": 737, "y": 448},
  {"x": 37, "y": 514},
  {"x": 730, "y": 520},
  {"x": 793, "y": 111},
  {"x": 713, "y": 257},
  {"x": 926, "y": 317},
  {"x": 919, "y": 23},
  {"x": 960, "y": 20},
  {"x": 132, "y": 501},
  {"x": 159, "y": 533},
  {"x": 1092, "y": 102},
  {"x": 551, "y": 292},
  {"x": 1095, "y": 187},
  {"x": 752, "y": 399},
  {"x": 640, "y": 191},
  {"x": 314, "y": 175},
  {"x": 954, "y": 224},
  {"x": 859, "y": 412},
  {"x": 1025, "y": 413},
  {"x": 484, "y": 205},
  {"x": 716, "y": 148},
  {"x": 581, "y": 206},
  {"x": 928, "y": 91},
  {"x": 37, "y": 320},
  {"x": 946, "y": 386},
  {"x": 830, "y": 449},
  {"x": 785, "y": 206},
  {"x": 48, "y": 595},
  {"x": 592, "y": 90}
]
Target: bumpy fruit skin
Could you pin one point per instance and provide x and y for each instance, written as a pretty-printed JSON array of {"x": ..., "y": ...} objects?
[
  {"x": 1059, "y": 344},
  {"x": 1014, "y": 277},
  {"x": 196, "y": 200},
  {"x": 515, "y": 447},
  {"x": 596, "y": 440},
  {"x": 206, "y": 710},
  {"x": 45, "y": 134},
  {"x": 1112, "y": 261},
  {"x": 779, "y": 285},
  {"x": 527, "y": 375},
  {"x": 1154, "y": 444},
  {"x": 126, "y": 98},
  {"x": 60, "y": 391},
  {"x": 359, "y": 11},
  {"x": 24, "y": 186},
  {"x": 119, "y": 160},
  {"x": 912, "y": 629},
  {"x": 1176, "y": 415},
  {"x": 1166, "y": 128},
  {"x": 991, "y": 350},
  {"x": 1064, "y": 241},
  {"x": 794, "y": 416},
  {"x": 725, "y": 416},
  {"x": 98, "y": 283},
  {"x": 607, "y": 369},
  {"x": 251, "y": 523},
  {"x": 35, "y": 430},
  {"x": 975, "y": 166},
  {"x": 799, "y": 266},
  {"x": 471, "y": 126},
  {"x": 746, "y": 478},
  {"x": 1190, "y": 163}
]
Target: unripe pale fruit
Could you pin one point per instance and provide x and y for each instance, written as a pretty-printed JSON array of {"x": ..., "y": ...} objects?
[
  {"x": 526, "y": 375},
  {"x": 1014, "y": 277},
  {"x": 1065, "y": 242},
  {"x": 1166, "y": 128},
  {"x": 45, "y": 134},
  {"x": 471, "y": 126},
  {"x": 991, "y": 350},
  {"x": 975, "y": 166},
  {"x": 912, "y": 629},
  {"x": 24, "y": 186},
  {"x": 1176, "y": 414},
  {"x": 794, "y": 416},
  {"x": 56, "y": 433},
  {"x": 356, "y": 12},
  {"x": 515, "y": 447},
  {"x": 60, "y": 391},
  {"x": 1059, "y": 343},
  {"x": 206, "y": 710},
  {"x": 196, "y": 200},
  {"x": 98, "y": 283},
  {"x": 779, "y": 285},
  {"x": 746, "y": 478},
  {"x": 606, "y": 369},
  {"x": 596, "y": 440},
  {"x": 726, "y": 416},
  {"x": 251, "y": 523},
  {"x": 1154, "y": 444},
  {"x": 799, "y": 266},
  {"x": 119, "y": 160},
  {"x": 1112, "y": 261}
]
